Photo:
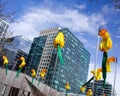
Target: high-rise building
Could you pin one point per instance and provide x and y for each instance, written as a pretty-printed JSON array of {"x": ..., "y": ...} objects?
[
  {"x": 99, "y": 90},
  {"x": 76, "y": 58},
  {"x": 3, "y": 28},
  {"x": 14, "y": 48},
  {"x": 35, "y": 53},
  {"x": 18, "y": 42}
]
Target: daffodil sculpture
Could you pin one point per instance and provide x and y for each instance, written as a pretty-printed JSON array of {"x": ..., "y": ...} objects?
[
  {"x": 23, "y": 63},
  {"x": 59, "y": 43},
  {"x": 89, "y": 92},
  {"x": 82, "y": 89},
  {"x": 105, "y": 45},
  {"x": 33, "y": 74},
  {"x": 97, "y": 74},
  {"x": 67, "y": 87},
  {"x": 109, "y": 60},
  {"x": 42, "y": 75},
  {"x": 5, "y": 62}
]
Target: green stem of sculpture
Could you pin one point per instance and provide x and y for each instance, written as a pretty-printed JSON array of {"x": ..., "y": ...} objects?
[
  {"x": 39, "y": 81},
  {"x": 18, "y": 72},
  {"x": 66, "y": 93},
  {"x": 32, "y": 80},
  {"x": 88, "y": 81},
  {"x": 60, "y": 54},
  {"x": 104, "y": 60},
  {"x": 6, "y": 69}
]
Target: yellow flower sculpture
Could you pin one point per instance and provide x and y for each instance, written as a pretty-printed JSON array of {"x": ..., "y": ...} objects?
[
  {"x": 105, "y": 45},
  {"x": 33, "y": 74},
  {"x": 59, "y": 40},
  {"x": 5, "y": 62},
  {"x": 23, "y": 63},
  {"x": 106, "y": 42},
  {"x": 82, "y": 89},
  {"x": 97, "y": 74},
  {"x": 59, "y": 43},
  {"x": 109, "y": 60},
  {"x": 67, "y": 86},
  {"x": 42, "y": 75},
  {"x": 89, "y": 92}
]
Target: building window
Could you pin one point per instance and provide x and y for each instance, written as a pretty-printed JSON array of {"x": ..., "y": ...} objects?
[{"x": 13, "y": 91}]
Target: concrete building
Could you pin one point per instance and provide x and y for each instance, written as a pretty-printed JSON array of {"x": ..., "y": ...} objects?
[
  {"x": 99, "y": 90},
  {"x": 76, "y": 57},
  {"x": 22, "y": 86},
  {"x": 10, "y": 85}
]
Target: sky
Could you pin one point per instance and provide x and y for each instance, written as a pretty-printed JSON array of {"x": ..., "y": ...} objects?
[{"x": 82, "y": 17}]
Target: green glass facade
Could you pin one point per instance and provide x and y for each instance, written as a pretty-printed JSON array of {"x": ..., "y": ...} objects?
[
  {"x": 35, "y": 53},
  {"x": 75, "y": 69}
]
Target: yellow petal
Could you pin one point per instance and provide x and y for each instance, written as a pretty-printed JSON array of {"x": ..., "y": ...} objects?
[
  {"x": 67, "y": 86},
  {"x": 59, "y": 40},
  {"x": 106, "y": 42},
  {"x": 82, "y": 89}
]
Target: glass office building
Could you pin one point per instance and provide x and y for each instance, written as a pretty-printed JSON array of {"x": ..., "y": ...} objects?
[
  {"x": 76, "y": 58},
  {"x": 14, "y": 48},
  {"x": 41, "y": 50},
  {"x": 99, "y": 90},
  {"x": 18, "y": 42},
  {"x": 75, "y": 69},
  {"x": 35, "y": 53}
]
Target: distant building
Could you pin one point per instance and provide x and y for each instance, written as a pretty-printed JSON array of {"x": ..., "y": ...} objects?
[
  {"x": 99, "y": 90},
  {"x": 14, "y": 48},
  {"x": 76, "y": 57},
  {"x": 3, "y": 28}
]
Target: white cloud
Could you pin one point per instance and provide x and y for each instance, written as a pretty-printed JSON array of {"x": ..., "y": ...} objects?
[
  {"x": 107, "y": 9},
  {"x": 38, "y": 18},
  {"x": 81, "y": 7},
  {"x": 117, "y": 36}
]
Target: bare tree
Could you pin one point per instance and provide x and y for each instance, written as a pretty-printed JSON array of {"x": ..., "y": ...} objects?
[
  {"x": 4, "y": 14},
  {"x": 8, "y": 16}
]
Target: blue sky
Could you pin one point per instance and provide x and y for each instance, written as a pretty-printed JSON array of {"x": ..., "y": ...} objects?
[{"x": 82, "y": 17}]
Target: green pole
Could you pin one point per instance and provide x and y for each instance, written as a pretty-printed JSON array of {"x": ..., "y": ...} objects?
[
  {"x": 6, "y": 69},
  {"x": 104, "y": 60},
  {"x": 60, "y": 55},
  {"x": 39, "y": 81},
  {"x": 18, "y": 72},
  {"x": 66, "y": 93},
  {"x": 32, "y": 80}
]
